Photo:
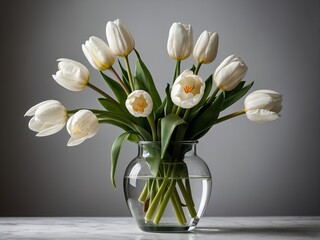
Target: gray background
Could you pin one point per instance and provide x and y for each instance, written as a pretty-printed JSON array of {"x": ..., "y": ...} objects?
[{"x": 269, "y": 169}]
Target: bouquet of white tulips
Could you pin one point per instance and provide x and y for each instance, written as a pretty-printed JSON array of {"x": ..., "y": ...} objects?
[{"x": 190, "y": 107}]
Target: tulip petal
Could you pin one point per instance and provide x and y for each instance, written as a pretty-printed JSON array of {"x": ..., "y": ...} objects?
[
  {"x": 139, "y": 103},
  {"x": 32, "y": 110},
  {"x": 69, "y": 82},
  {"x": 34, "y": 125},
  {"x": 51, "y": 130},
  {"x": 180, "y": 41},
  {"x": 119, "y": 38},
  {"x": 258, "y": 101},
  {"x": 70, "y": 62},
  {"x": 264, "y": 99},
  {"x": 74, "y": 142},
  {"x": 86, "y": 51},
  {"x": 262, "y": 115},
  {"x": 187, "y": 90}
]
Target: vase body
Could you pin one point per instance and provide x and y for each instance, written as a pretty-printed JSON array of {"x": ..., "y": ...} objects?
[{"x": 168, "y": 192}]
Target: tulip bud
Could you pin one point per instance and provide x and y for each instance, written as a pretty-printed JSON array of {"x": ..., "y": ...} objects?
[
  {"x": 81, "y": 126},
  {"x": 72, "y": 75},
  {"x": 180, "y": 41},
  {"x": 263, "y": 106},
  {"x": 230, "y": 72},
  {"x": 98, "y": 53},
  {"x": 139, "y": 103},
  {"x": 119, "y": 38},
  {"x": 206, "y": 48},
  {"x": 187, "y": 90},
  {"x": 49, "y": 117}
]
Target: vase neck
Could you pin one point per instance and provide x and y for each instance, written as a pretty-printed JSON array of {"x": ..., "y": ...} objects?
[{"x": 182, "y": 148}]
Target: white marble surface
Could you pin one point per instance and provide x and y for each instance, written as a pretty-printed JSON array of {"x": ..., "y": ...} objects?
[{"x": 216, "y": 228}]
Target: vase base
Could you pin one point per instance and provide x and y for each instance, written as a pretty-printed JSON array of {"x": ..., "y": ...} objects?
[{"x": 166, "y": 229}]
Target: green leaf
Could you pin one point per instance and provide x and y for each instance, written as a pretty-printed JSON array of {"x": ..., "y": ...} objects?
[
  {"x": 144, "y": 133},
  {"x": 236, "y": 94},
  {"x": 235, "y": 90},
  {"x": 160, "y": 110},
  {"x": 169, "y": 101},
  {"x": 206, "y": 119},
  {"x": 115, "y": 123},
  {"x": 168, "y": 125},
  {"x": 207, "y": 90},
  {"x": 118, "y": 116},
  {"x": 115, "y": 151},
  {"x": 144, "y": 78},
  {"x": 109, "y": 105},
  {"x": 153, "y": 158},
  {"x": 119, "y": 110},
  {"x": 116, "y": 88},
  {"x": 193, "y": 68},
  {"x": 124, "y": 74}
]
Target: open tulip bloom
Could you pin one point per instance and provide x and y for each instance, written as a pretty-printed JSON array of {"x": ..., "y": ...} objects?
[{"x": 190, "y": 108}]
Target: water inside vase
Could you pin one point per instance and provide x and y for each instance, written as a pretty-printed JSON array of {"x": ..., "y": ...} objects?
[{"x": 200, "y": 188}]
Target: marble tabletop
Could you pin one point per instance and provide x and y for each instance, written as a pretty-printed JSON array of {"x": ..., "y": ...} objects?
[{"x": 116, "y": 228}]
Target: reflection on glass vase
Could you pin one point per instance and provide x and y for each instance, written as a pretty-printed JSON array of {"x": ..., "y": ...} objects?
[{"x": 168, "y": 193}]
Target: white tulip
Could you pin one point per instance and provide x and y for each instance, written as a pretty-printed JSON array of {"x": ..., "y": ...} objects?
[
  {"x": 263, "y": 106},
  {"x": 206, "y": 48},
  {"x": 49, "y": 117},
  {"x": 119, "y": 38},
  {"x": 72, "y": 75},
  {"x": 81, "y": 126},
  {"x": 230, "y": 72},
  {"x": 180, "y": 41},
  {"x": 98, "y": 53},
  {"x": 139, "y": 103},
  {"x": 187, "y": 90}
]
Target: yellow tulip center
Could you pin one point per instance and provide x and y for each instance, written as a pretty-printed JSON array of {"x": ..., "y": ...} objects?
[
  {"x": 187, "y": 89},
  {"x": 139, "y": 104}
]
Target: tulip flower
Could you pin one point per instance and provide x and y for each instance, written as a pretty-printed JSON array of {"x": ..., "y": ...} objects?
[
  {"x": 72, "y": 75},
  {"x": 230, "y": 72},
  {"x": 81, "y": 126},
  {"x": 139, "y": 103},
  {"x": 98, "y": 53},
  {"x": 180, "y": 41},
  {"x": 263, "y": 106},
  {"x": 119, "y": 38},
  {"x": 206, "y": 48},
  {"x": 49, "y": 117},
  {"x": 187, "y": 90}
]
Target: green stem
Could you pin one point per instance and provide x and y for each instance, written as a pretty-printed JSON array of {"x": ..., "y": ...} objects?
[
  {"x": 178, "y": 111},
  {"x": 174, "y": 109},
  {"x": 129, "y": 72},
  {"x": 177, "y": 71},
  {"x": 119, "y": 80},
  {"x": 98, "y": 90},
  {"x": 177, "y": 207},
  {"x": 164, "y": 202},
  {"x": 154, "y": 204},
  {"x": 143, "y": 196},
  {"x": 178, "y": 68},
  {"x": 211, "y": 99},
  {"x": 229, "y": 116},
  {"x": 188, "y": 189},
  {"x": 153, "y": 127},
  {"x": 186, "y": 114},
  {"x": 197, "y": 69},
  {"x": 187, "y": 197}
]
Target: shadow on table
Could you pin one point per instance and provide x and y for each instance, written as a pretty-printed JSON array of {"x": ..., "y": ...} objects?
[{"x": 284, "y": 231}]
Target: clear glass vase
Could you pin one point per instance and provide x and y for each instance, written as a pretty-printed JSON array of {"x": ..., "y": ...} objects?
[{"x": 167, "y": 193}]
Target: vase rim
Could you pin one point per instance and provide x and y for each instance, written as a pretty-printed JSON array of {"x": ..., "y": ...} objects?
[{"x": 180, "y": 142}]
